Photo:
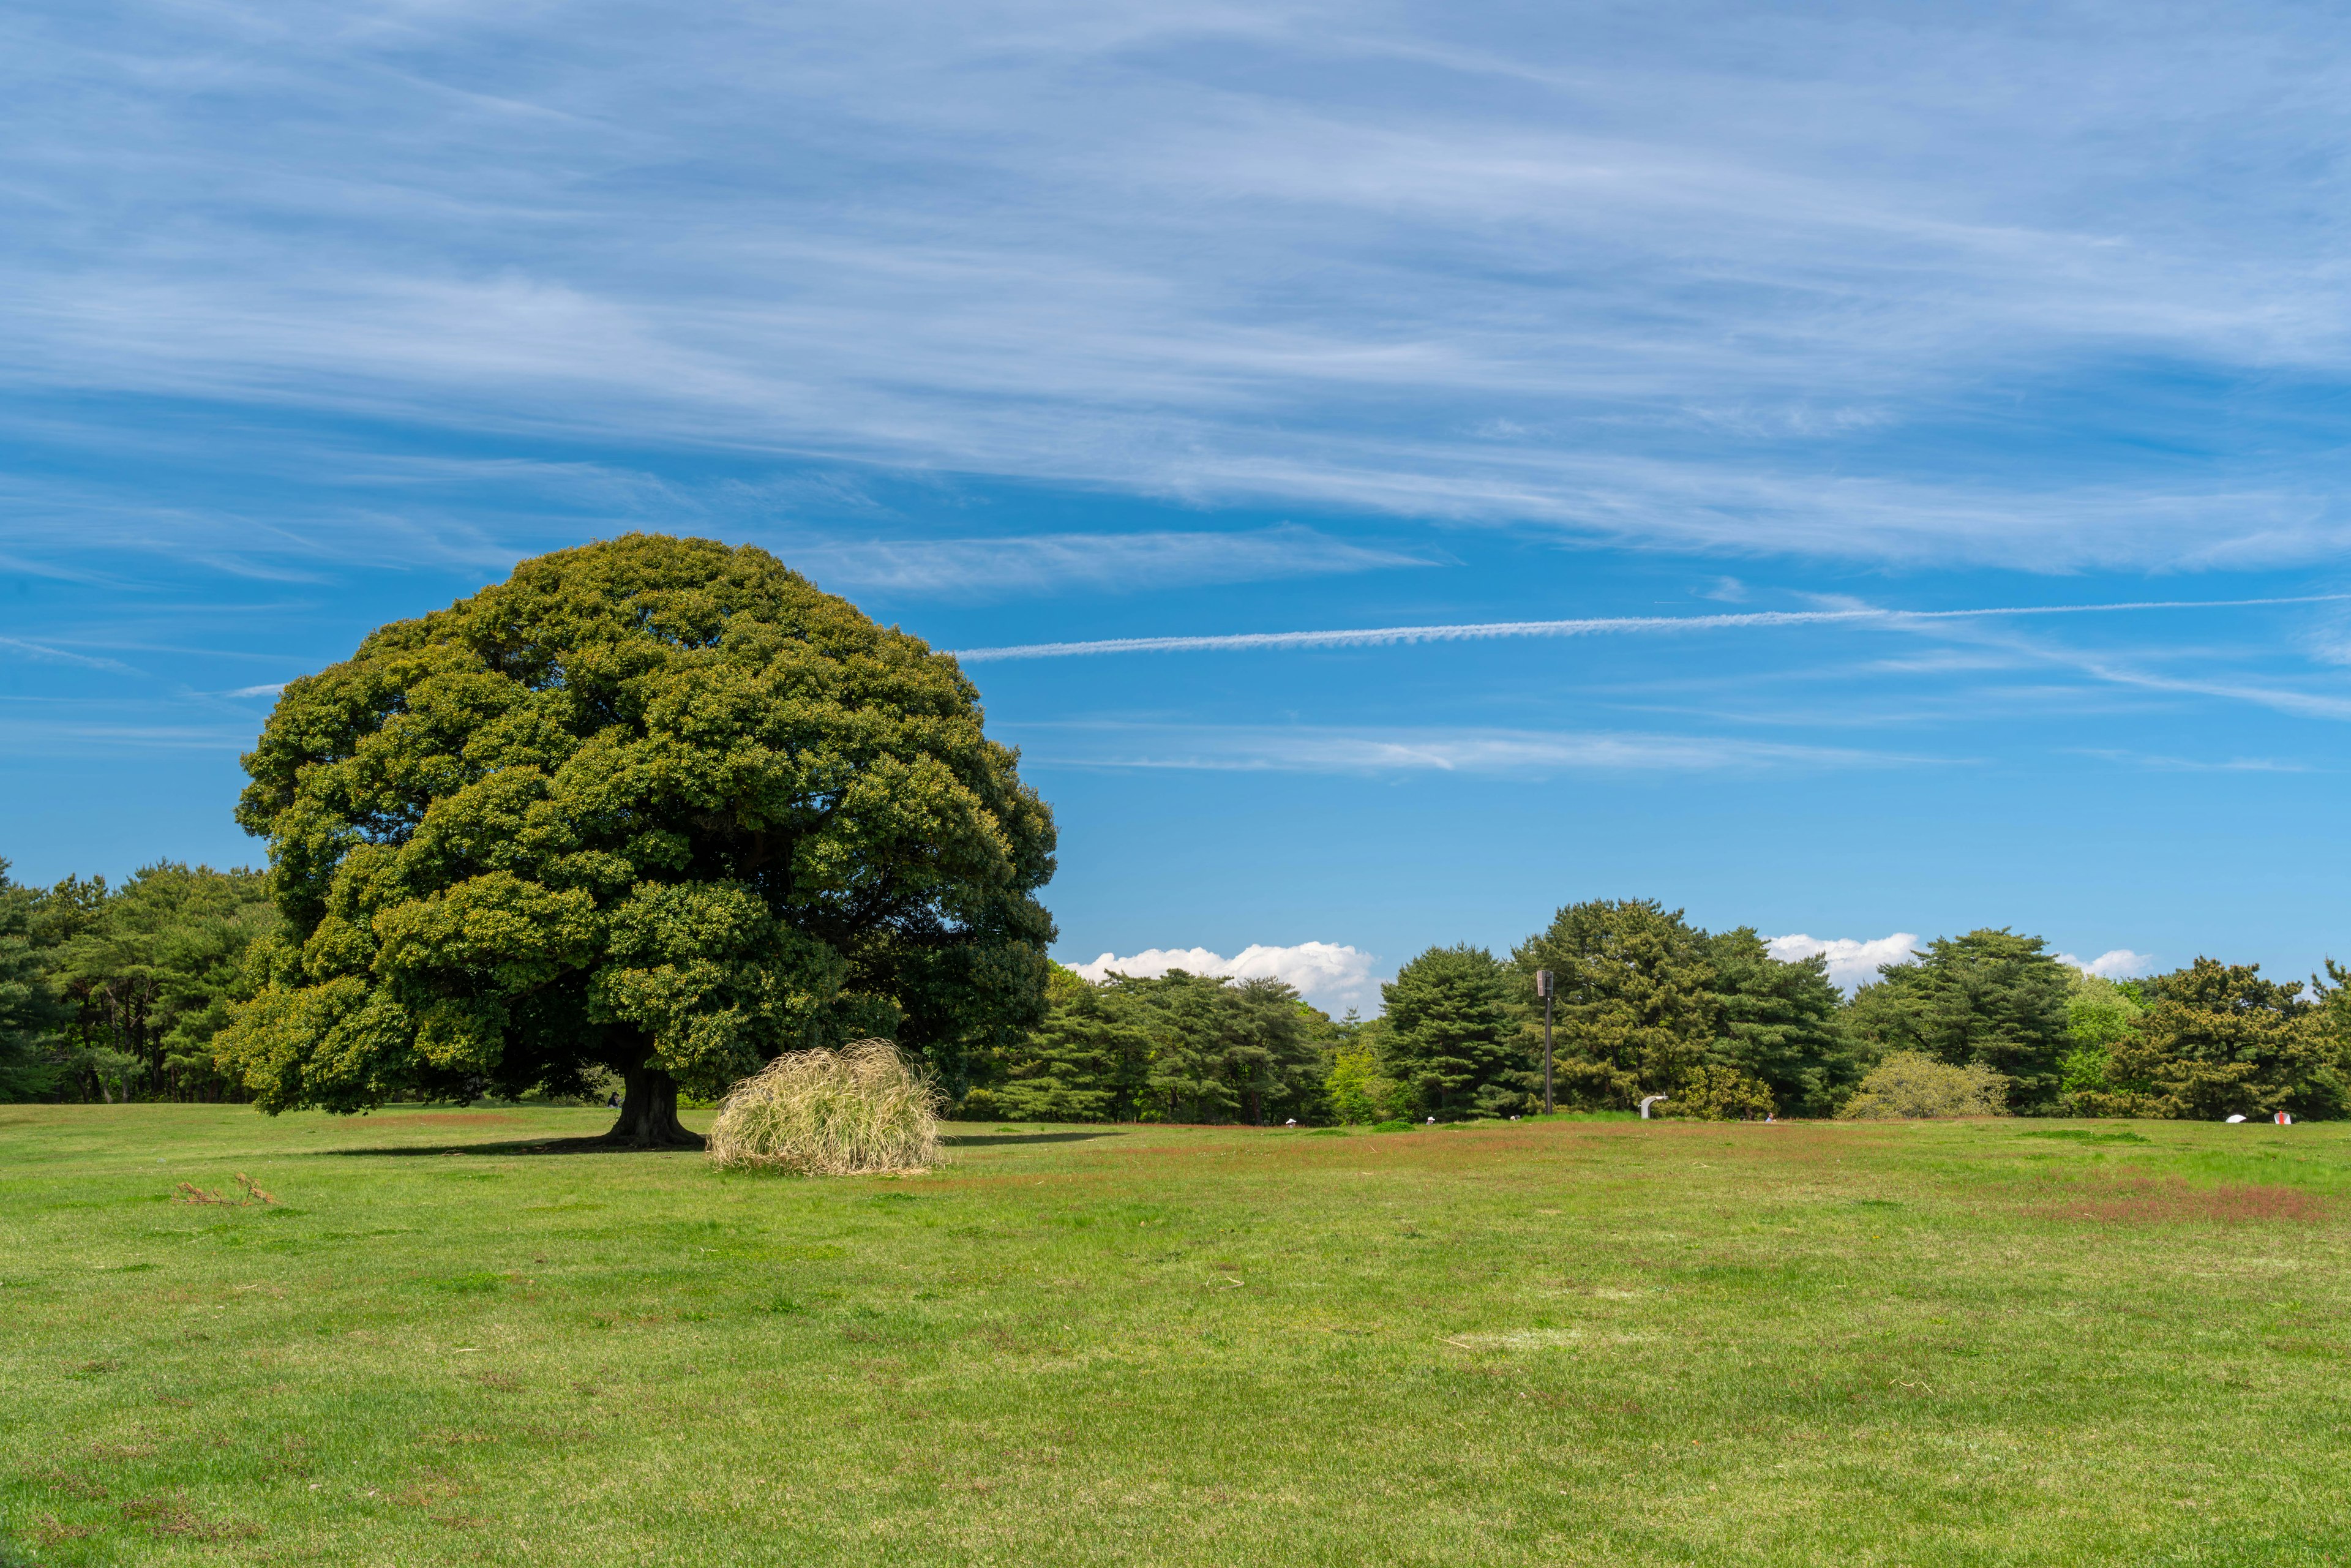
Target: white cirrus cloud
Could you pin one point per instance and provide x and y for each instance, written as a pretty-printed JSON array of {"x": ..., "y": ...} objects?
[
  {"x": 2114, "y": 964},
  {"x": 980, "y": 568},
  {"x": 1251, "y": 748},
  {"x": 1332, "y": 975},
  {"x": 1852, "y": 961}
]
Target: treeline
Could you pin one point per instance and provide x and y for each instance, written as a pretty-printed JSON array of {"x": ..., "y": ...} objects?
[
  {"x": 115, "y": 993},
  {"x": 112, "y": 994},
  {"x": 1646, "y": 1004}
]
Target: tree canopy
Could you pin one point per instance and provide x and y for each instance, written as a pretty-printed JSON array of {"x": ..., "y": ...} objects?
[
  {"x": 1453, "y": 1035},
  {"x": 1991, "y": 999},
  {"x": 1780, "y": 1023},
  {"x": 653, "y": 804},
  {"x": 2221, "y": 1040},
  {"x": 29, "y": 1010},
  {"x": 1636, "y": 1000}
]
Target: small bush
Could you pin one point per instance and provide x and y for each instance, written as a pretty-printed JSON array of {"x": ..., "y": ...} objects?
[
  {"x": 859, "y": 1110},
  {"x": 1909, "y": 1085},
  {"x": 1720, "y": 1094}
]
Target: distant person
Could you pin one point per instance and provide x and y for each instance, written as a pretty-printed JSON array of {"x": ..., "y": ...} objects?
[{"x": 611, "y": 1101}]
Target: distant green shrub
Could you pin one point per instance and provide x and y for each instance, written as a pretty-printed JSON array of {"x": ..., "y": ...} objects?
[
  {"x": 1720, "y": 1094},
  {"x": 1909, "y": 1084}
]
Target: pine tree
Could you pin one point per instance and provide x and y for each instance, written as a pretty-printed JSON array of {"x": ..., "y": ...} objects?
[
  {"x": 1637, "y": 1007},
  {"x": 29, "y": 1011},
  {"x": 1453, "y": 1039},
  {"x": 1780, "y": 1023},
  {"x": 1990, "y": 998}
]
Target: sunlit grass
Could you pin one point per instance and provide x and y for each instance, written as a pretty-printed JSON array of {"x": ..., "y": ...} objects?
[{"x": 1583, "y": 1341}]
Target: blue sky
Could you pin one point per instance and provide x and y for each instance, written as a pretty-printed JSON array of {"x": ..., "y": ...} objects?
[{"x": 1043, "y": 323}]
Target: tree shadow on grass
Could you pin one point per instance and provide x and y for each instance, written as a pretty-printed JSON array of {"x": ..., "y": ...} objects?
[
  {"x": 517, "y": 1146},
  {"x": 970, "y": 1140}
]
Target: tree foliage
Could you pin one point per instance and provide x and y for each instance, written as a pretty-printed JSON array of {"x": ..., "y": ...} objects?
[
  {"x": 653, "y": 804},
  {"x": 1177, "y": 1047},
  {"x": 1779, "y": 1024},
  {"x": 1989, "y": 998},
  {"x": 1454, "y": 1040},
  {"x": 1635, "y": 1003},
  {"x": 2221, "y": 1040},
  {"x": 1089, "y": 1061},
  {"x": 1910, "y": 1083},
  {"x": 150, "y": 972},
  {"x": 29, "y": 1010}
]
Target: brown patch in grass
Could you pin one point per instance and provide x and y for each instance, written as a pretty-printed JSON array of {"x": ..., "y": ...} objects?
[
  {"x": 47, "y": 1532},
  {"x": 117, "y": 1453},
  {"x": 2143, "y": 1201},
  {"x": 172, "y": 1516},
  {"x": 65, "y": 1481}
]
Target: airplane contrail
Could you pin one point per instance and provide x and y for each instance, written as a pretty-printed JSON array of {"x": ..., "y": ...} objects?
[{"x": 1376, "y": 636}]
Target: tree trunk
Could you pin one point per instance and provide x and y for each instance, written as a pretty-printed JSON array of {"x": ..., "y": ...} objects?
[{"x": 649, "y": 1113}]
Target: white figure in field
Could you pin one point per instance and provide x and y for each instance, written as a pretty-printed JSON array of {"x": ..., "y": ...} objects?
[
  {"x": 1432, "y": 1121},
  {"x": 1652, "y": 1100},
  {"x": 2236, "y": 1118},
  {"x": 1291, "y": 1123},
  {"x": 2285, "y": 1118}
]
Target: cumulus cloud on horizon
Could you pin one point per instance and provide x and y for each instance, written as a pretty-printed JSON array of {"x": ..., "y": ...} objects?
[
  {"x": 2114, "y": 964},
  {"x": 1852, "y": 962},
  {"x": 1332, "y": 975}
]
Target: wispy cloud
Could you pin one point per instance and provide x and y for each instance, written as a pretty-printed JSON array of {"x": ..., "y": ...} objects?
[
  {"x": 47, "y": 655},
  {"x": 1267, "y": 749},
  {"x": 974, "y": 568},
  {"x": 1381, "y": 636},
  {"x": 1690, "y": 277}
]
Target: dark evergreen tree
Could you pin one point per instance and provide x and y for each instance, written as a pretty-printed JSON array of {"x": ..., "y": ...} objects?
[
  {"x": 1453, "y": 1035},
  {"x": 1781, "y": 1023},
  {"x": 1225, "y": 1051},
  {"x": 2220, "y": 1041},
  {"x": 1637, "y": 1007},
  {"x": 29, "y": 1010},
  {"x": 1990, "y": 998},
  {"x": 1089, "y": 1061}
]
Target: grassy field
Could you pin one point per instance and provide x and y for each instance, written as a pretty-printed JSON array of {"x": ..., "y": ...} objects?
[{"x": 1596, "y": 1342}]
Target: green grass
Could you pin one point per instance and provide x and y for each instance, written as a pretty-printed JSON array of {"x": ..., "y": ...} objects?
[{"x": 1599, "y": 1342}]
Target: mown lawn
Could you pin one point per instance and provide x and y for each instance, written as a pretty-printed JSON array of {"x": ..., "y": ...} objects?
[{"x": 1594, "y": 1342}]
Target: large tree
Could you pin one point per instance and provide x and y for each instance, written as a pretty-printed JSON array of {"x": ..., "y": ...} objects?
[
  {"x": 29, "y": 1010},
  {"x": 2221, "y": 1040},
  {"x": 1636, "y": 1007},
  {"x": 1089, "y": 1061},
  {"x": 1991, "y": 999},
  {"x": 655, "y": 805},
  {"x": 1453, "y": 1038},
  {"x": 151, "y": 970},
  {"x": 1781, "y": 1023}
]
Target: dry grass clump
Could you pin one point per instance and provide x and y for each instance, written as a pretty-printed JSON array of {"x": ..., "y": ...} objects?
[
  {"x": 860, "y": 1110},
  {"x": 1909, "y": 1084}
]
